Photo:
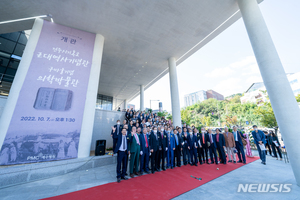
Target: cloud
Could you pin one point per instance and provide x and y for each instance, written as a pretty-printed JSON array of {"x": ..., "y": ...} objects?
[
  {"x": 249, "y": 60},
  {"x": 220, "y": 72},
  {"x": 229, "y": 86},
  {"x": 254, "y": 79}
]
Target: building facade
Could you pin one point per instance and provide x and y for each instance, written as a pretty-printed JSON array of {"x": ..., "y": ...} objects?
[
  {"x": 256, "y": 94},
  {"x": 214, "y": 95}
]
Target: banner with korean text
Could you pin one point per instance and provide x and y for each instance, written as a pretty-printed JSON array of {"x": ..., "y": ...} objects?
[{"x": 47, "y": 119}]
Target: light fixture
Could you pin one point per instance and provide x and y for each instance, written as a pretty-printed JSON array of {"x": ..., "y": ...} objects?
[
  {"x": 52, "y": 20},
  {"x": 23, "y": 19}
]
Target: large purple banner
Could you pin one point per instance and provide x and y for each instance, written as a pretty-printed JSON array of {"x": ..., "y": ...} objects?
[{"x": 47, "y": 119}]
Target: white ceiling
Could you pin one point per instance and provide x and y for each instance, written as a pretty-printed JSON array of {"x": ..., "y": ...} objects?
[{"x": 140, "y": 35}]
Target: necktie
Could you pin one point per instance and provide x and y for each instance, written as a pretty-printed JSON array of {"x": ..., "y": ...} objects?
[
  {"x": 117, "y": 129},
  {"x": 218, "y": 138},
  {"x": 210, "y": 138},
  {"x": 176, "y": 140},
  {"x": 146, "y": 141},
  {"x": 203, "y": 138},
  {"x": 169, "y": 139},
  {"x": 124, "y": 143}
]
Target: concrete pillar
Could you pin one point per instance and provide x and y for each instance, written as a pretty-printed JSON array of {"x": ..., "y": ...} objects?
[
  {"x": 91, "y": 98},
  {"x": 142, "y": 98},
  {"x": 174, "y": 92},
  {"x": 282, "y": 98},
  {"x": 19, "y": 79},
  {"x": 125, "y": 104}
]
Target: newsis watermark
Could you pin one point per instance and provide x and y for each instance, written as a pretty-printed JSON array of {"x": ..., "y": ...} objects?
[{"x": 264, "y": 187}]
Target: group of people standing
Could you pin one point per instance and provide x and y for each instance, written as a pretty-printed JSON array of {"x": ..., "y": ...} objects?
[{"x": 145, "y": 138}]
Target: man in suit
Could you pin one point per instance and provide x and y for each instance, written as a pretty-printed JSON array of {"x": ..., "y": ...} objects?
[
  {"x": 239, "y": 145},
  {"x": 154, "y": 143},
  {"x": 134, "y": 153},
  {"x": 171, "y": 148},
  {"x": 259, "y": 139},
  {"x": 193, "y": 146},
  {"x": 199, "y": 146},
  {"x": 116, "y": 130},
  {"x": 212, "y": 147},
  {"x": 178, "y": 148},
  {"x": 184, "y": 146},
  {"x": 145, "y": 151},
  {"x": 163, "y": 143},
  {"x": 220, "y": 141},
  {"x": 185, "y": 150},
  {"x": 122, "y": 147},
  {"x": 230, "y": 145},
  {"x": 204, "y": 148}
]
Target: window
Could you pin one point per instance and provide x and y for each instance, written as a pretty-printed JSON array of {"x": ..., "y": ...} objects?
[{"x": 104, "y": 102}]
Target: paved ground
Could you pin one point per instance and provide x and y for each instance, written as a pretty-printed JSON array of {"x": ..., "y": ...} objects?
[{"x": 224, "y": 187}]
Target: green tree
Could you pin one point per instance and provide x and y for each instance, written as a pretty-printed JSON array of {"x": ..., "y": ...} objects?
[
  {"x": 298, "y": 98},
  {"x": 185, "y": 115},
  {"x": 162, "y": 114},
  {"x": 267, "y": 115}
]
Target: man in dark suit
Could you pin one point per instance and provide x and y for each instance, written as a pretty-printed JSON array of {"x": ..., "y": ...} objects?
[
  {"x": 145, "y": 151},
  {"x": 239, "y": 145},
  {"x": 154, "y": 143},
  {"x": 162, "y": 146},
  {"x": 204, "y": 148},
  {"x": 185, "y": 150},
  {"x": 220, "y": 141},
  {"x": 116, "y": 130},
  {"x": 259, "y": 139},
  {"x": 192, "y": 146},
  {"x": 122, "y": 147},
  {"x": 212, "y": 147},
  {"x": 178, "y": 147}
]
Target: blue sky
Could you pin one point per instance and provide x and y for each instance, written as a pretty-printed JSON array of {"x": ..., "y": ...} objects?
[{"x": 227, "y": 64}]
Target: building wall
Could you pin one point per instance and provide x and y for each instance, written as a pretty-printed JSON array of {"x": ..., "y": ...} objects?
[
  {"x": 2, "y": 104},
  {"x": 195, "y": 97},
  {"x": 214, "y": 95},
  {"x": 104, "y": 120}
]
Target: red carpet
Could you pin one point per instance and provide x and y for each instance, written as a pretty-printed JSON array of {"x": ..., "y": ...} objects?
[{"x": 161, "y": 185}]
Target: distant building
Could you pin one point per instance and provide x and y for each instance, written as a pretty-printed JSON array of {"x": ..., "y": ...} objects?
[
  {"x": 192, "y": 98},
  {"x": 254, "y": 93},
  {"x": 160, "y": 107},
  {"x": 210, "y": 94}
]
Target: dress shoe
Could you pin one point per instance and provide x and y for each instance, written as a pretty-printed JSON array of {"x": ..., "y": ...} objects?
[
  {"x": 148, "y": 172},
  {"x": 229, "y": 161},
  {"x": 141, "y": 173},
  {"x": 124, "y": 178},
  {"x": 234, "y": 161},
  {"x": 119, "y": 180},
  {"x": 164, "y": 169},
  {"x": 201, "y": 163},
  {"x": 153, "y": 172},
  {"x": 136, "y": 173},
  {"x": 239, "y": 161},
  {"x": 158, "y": 170},
  {"x": 172, "y": 167},
  {"x": 212, "y": 163},
  {"x": 191, "y": 164},
  {"x": 131, "y": 175},
  {"x": 244, "y": 162},
  {"x": 126, "y": 174},
  {"x": 196, "y": 165}
]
